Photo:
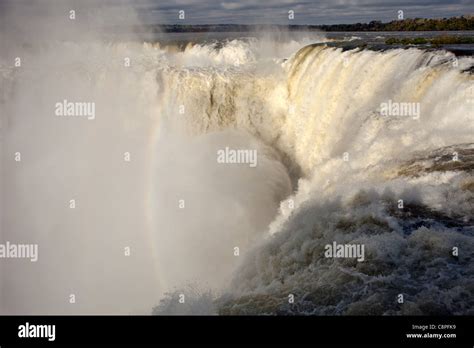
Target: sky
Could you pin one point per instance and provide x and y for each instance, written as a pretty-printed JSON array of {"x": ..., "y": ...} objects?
[
  {"x": 305, "y": 11},
  {"x": 314, "y": 12}
]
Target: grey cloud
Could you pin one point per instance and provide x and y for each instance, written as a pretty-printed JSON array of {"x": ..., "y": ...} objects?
[{"x": 276, "y": 11}]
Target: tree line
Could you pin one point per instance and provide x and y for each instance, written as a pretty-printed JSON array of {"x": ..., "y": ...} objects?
[{"x": 409, "y": 24}]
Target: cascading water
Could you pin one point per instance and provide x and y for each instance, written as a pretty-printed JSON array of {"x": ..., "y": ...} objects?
[{"x": 331, "y": 167}]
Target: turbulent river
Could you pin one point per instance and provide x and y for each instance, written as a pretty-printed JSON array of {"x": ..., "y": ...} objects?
[{"x": 337, "y": 162}]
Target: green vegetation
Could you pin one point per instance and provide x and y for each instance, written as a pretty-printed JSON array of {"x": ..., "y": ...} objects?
[
  {"x": 441, "y": 40},
  {"x": 449, "y": 40},
  {"x": 410, "y": 24}
]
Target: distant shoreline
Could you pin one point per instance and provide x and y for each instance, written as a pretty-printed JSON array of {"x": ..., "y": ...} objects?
[{"x": 463, "y": 23}]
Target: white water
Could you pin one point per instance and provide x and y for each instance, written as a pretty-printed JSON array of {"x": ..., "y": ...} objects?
[
  {"x": 301, "y": 115},
  {"x": 312, "y": 109}
]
